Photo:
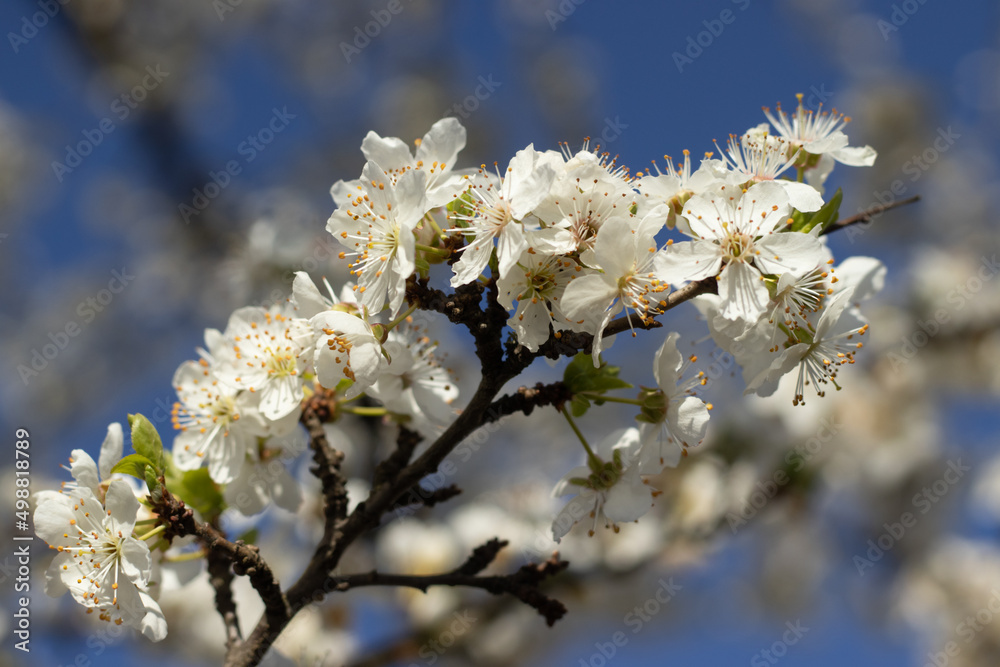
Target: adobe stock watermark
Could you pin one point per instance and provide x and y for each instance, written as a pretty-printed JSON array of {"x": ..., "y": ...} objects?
[
  {"x": 223, "y": 7},
  {"x": 363, "y": 35},
  {"x": 487, "y": 86},
  {"x": 698, "y": 43},
  {"x": 923, "y": 502},
  {"x": 612, "y": 130},
  {"x": 779, "y": 649},
  {"x": 795, "y": 460},
  {"x": 30, "y": 25},
  {"x": 967, "y": 629},
  {"x": 956, "y": 298},
  {"x": 914, "y": 168},
  {"x": 635, "y": 620},
  {"x": 248, "y": 149},
  {"x": 563, "y": 11},
  {"x": 900, "y": 14},
  {"x": 121, "y": 107},
  {"x": 59, "y": 340}
]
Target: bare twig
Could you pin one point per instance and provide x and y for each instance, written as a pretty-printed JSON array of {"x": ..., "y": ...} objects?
[
  {"x": 868, "y": 214},
  {"x": 220, "y": 576},
  {"x": 522, "y": 584}
]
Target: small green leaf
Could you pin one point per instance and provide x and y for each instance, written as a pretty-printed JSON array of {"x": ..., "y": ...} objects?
[
  {"x": 579, "y": 405},
  {"x": 146, "y": 441},
  {"x": 830, "y": 212},
  {"x": 581, "y": 376},
  {"x": 133, "y": 464},
  {"x": 823, "y": 218},
  {"x": 197, "y": 490}
]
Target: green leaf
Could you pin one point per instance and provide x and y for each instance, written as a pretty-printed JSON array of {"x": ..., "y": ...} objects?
[
  {"x": 830, "y": 212},
  {"x": 133, "y": 464},
  {"x": 579, "y": 405},
  {"x": 822, "y": 218},
  {"x": 197, "y": 490},
  {"x": 581, "y": 376},
  {"x": 146, "y": 441}
]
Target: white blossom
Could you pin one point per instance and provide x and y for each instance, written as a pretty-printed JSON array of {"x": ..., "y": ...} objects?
[
  {"x": 617, "y": 495},
  {"x": 102, "y": 565}
]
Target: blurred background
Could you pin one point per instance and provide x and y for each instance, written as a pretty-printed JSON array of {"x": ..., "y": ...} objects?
[{"x": 164, "y": 164}]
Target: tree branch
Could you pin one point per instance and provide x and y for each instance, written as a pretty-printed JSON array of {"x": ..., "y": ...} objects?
[
  {"x": 246, "y": 559},
  {"x": 327, "y": 461},
  {"x": 526, "y": 399},
  {"x": 522, "y": 584},
  {"x": 220, "y": 576},
  {"x": 868, "y": 214}
]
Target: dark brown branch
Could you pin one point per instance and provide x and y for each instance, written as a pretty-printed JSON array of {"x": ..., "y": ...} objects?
[
  {"x": 522, "y": 584},
  {"x": 327, "y": 462},
  {"x": 406, "y": 443},
  {"x": 220, "y": 576},
  {"x": 568, "y": 343},
  {"x": 868, "y": 214},
  {"x": 481, "y": 557},
  {"x": 246, "y": 559},
  {"x": 526, "y": 399}
]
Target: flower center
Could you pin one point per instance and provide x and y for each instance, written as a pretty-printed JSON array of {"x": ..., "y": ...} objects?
[{"x": 737, "y": 246}]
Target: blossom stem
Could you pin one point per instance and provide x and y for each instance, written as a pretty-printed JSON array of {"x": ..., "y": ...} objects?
[
  {"x": 180, "y": 558},
  {"x": 146, "y": 522},
  {"x": 572, "y": 424},
  {"x": 153, "y": 533},
  {"x": 402, "y": 318},
  {"x": 611, "y": 399},
  {"x": 434, "y": 225},
  {"x": 366, "y": 411},
  {"x": 440, "y": 252}
]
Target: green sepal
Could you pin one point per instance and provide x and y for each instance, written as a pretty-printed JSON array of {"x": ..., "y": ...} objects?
[
  {"x": 152, "y": 481},
  {"x": 463, "y": 205}
]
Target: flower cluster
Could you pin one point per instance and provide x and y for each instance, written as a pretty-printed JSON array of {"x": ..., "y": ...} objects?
[
  {"x": 565, "y": 242},
  {"x": 90, "y": 522}
]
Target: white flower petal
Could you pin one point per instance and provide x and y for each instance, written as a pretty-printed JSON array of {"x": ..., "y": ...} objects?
[{"x": 111, "y": 449}]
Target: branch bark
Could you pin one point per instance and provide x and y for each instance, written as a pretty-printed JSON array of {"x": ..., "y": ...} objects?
[{"x": 220, "y": 576}]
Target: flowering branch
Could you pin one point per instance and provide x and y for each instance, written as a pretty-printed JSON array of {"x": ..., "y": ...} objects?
[{"x": 559, "y": 251}]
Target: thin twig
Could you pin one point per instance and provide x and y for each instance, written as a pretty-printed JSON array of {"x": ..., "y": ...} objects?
[
  {"x": 868, "y": 214},
  {"x": 220, "y": 576}
]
